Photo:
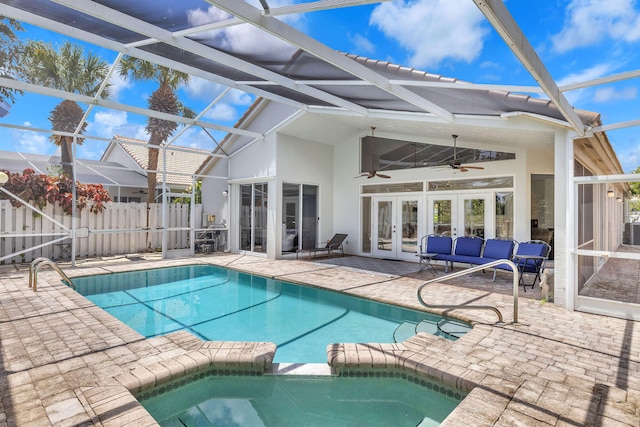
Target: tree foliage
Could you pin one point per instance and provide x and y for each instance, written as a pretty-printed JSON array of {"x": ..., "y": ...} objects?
[
  {"x": 70, "y": 69},
  {"x": 634, "y": 187},
  {"x": 163, "y": 99},
  {"x": 10, "y": 53},
  {"x": 197, "y": 199},
  {"x": 41, "y": 189}
]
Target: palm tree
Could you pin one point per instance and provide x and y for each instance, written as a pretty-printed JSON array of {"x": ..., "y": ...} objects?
[
  {"x": 164, "y": 99},
  {"x": 10, "y": 52},
  {"x": 70, "y": 70}
]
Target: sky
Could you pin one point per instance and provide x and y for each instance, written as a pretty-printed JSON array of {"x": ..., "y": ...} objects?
[{"x": 577, "y": 40}]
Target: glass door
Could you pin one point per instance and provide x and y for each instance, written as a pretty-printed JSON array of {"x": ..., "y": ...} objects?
[
  {"x": 473, "y": 215},
  {"x": 299, "y": 217},
  {"x": 461, "y": 215},
  {"x": 395, "y": 227},
  {"x": 253, "y": 217},
  {"x": 441, "y": 216}
]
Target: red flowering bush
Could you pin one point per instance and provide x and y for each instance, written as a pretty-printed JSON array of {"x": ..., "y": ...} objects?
[{"x": 40, "y": 189}]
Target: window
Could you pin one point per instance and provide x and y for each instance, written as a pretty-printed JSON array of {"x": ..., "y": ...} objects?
[
  {"x": 504, "y": 215},
  {"x": 385, "y": 154}
]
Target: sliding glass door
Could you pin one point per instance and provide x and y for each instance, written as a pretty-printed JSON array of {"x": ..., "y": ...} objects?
[
  {"x": 299, "y": 217},
  {"x": 253, "y": 217}
]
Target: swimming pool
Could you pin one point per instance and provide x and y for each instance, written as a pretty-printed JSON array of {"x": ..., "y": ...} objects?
[
  {"x": 219, "y": 304},
  {"x": 386, "y": 399}
]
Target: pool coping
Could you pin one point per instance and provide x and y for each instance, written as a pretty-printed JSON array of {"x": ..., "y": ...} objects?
[
  {"x": 342, "y": 359},
  {"x": 510, "y": 381}
]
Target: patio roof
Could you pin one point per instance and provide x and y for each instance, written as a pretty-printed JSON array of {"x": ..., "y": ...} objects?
[{"x": 301, "y": 73}]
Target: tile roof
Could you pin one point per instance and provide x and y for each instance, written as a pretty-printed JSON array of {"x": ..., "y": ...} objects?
[{"x": 185, "y": 162}]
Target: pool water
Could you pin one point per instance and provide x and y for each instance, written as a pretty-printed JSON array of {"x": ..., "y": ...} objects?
[
  {"x": 282, "y": 401},
  {"x": 218, "y": 304}
]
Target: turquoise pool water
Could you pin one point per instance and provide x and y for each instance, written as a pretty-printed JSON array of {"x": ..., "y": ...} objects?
[
  {"x": 215, "y": 303},
  {"x": 283, "y": 401}
]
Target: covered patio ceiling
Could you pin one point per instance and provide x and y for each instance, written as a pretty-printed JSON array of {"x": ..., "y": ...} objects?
[{"x": 302, "y": 72}]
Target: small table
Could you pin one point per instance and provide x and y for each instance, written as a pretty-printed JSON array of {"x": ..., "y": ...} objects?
[
  {"x": 425, "y": 262},
  {"x": 522, "y": 261}
]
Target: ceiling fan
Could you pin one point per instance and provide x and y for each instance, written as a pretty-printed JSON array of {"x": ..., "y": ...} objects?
[
  {"x": 373, "y": 173},
  {"x": 457, "y": 164}
]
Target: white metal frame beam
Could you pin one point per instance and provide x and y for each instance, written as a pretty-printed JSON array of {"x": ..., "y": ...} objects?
[
  {"x": 130, "y": 49},
  {"x": 41, "y": 90},
  {"x": 273, "y": 26},
  {"x": 148, "y": 30},
  {"x": 496, "y": 12}
]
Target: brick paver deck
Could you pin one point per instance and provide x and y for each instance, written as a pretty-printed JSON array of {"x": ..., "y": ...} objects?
[{"x": 66, "y": 362}]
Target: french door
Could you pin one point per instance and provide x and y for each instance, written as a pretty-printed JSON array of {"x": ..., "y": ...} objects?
[
  {"x": 395, "y": 227},
  {"x": 461, "y": 215},
  {"x": 253, "y": 217}
]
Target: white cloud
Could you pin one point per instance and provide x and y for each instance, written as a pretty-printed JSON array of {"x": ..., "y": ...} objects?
[
  {"x": 591, "y": 73},
  {"x": 580, "y": 95},
  {"x": 609, "y": 94},
  {"x": 243, "y": 39},
  {"x": 200, "y": 88},
  {"x": 221, "y": 112},
  {"x": 118, "y": 85},
  {"x": 107, "y": 123},
  {"x": 32, "y": 142},
  {"x": 362, "y": 44},
  {"x": 433, "y": 31},
  {"x": 590, "y": 22}
]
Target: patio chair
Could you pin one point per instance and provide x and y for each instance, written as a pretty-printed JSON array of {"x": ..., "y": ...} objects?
[
  {"x": 335, "y": 244},
  {"x": 433, "y": 247},
  {"x": 530, "y": 258}
]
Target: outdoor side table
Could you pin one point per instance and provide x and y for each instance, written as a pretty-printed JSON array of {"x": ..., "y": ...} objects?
[
  {"x": 303, "y": 251},
  {"x": 522, "y": 261},
  {"x": 425, "y": 262}
]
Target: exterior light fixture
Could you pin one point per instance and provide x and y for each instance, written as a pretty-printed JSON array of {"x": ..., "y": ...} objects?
[
  {"x": 610, "y": 193},
  {"x": 3, "y": 178},
  {"x": 619, "y": 199},
  {"x": 225, "y": 193}
]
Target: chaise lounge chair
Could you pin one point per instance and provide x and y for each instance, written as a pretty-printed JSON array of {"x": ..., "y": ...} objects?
[{"x": 335, "y": 244}]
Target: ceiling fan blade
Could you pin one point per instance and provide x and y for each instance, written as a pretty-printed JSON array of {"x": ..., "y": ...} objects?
[
  {"x": 462, "y": 169},
  {"x": 382, "y": 176},
  {"x": 474, "y": 167}
]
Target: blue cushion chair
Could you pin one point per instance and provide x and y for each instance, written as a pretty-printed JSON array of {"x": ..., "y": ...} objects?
[
  {"x": 529, "y": 258},
  {"x": 434, "y": 247}
]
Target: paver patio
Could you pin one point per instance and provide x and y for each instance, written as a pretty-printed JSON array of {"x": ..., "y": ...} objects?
[{"x": 67, "y": 362}]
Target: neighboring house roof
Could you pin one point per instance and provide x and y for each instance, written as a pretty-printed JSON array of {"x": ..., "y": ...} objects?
[
  {"x": 178, "y": 160},
  {"x": 87, "y": 171}
]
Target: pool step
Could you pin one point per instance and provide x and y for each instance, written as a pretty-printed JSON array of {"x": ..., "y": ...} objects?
[
  {"x": 445, "y": 327},
  {"x": 404, "y": 331},
  {"x": 453, "y": 328}
]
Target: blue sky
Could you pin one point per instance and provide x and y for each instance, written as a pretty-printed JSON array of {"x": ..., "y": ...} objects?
[{"x": 576, "y": 39}]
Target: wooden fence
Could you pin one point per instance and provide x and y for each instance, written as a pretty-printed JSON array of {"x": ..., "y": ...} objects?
[{"x": 120, "y": 229}]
